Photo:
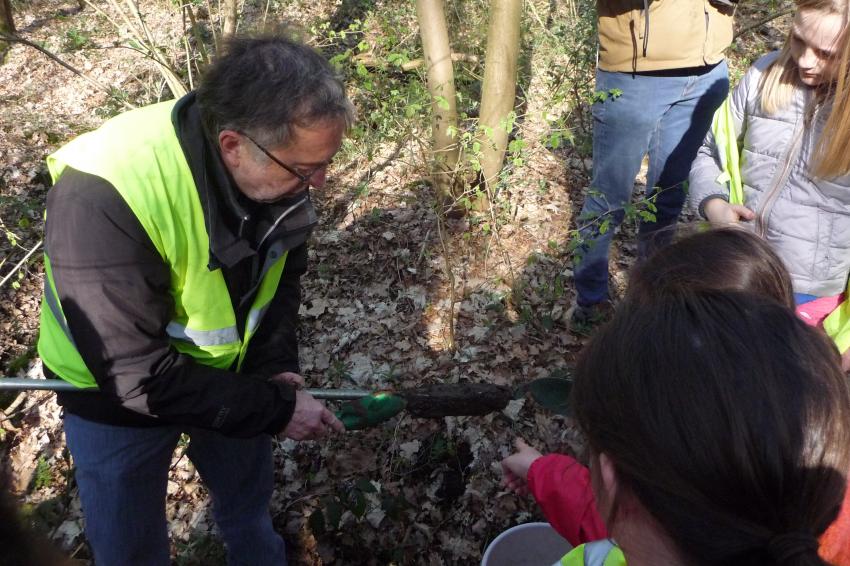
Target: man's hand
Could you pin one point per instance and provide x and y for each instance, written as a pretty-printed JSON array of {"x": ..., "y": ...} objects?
[
  {"x": 515, "y": 467},
  {"x": 291, "y": 378},
  {"x": 311, "y": 419},
  {"x": 718, "y": 211}
]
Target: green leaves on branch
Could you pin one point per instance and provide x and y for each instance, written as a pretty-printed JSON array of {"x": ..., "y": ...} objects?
[{"x": 603, "y": 95}]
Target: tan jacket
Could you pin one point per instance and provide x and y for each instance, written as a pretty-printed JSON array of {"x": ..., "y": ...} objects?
[{"x": 682, "y": 33}]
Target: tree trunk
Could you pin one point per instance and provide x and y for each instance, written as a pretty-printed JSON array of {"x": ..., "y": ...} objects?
[
  {"x": 231, "y": 17},
  {"x": 7, "y": 23},
  {"x": 441, "y": 85},
  {"x": 499, "y": 89},
  {"x": 7, "y": 26}
]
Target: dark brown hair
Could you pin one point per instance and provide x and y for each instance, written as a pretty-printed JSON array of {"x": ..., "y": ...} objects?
[
  {"x": 715, "y": 258},
  {"x": 726, "y": 417}
]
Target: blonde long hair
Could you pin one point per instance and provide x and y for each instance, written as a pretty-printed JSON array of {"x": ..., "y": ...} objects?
[{"x": 832, "y": 159}]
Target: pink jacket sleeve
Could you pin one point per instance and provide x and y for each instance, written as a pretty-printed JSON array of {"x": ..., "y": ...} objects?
[{"x": 561, "y": 486}]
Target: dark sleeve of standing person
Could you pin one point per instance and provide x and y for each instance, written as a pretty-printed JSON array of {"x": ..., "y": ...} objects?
[{"x": 114, "y": 289}]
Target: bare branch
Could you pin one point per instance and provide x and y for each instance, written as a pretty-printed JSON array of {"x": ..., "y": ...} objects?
[
  {"x": 20, "y": 263},
  {"x": 763, "y": 21},
  {"x": 105, "y": 88}
]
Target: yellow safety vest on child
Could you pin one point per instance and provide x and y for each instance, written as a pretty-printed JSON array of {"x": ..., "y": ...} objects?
[{"x": 597, "y": 553}]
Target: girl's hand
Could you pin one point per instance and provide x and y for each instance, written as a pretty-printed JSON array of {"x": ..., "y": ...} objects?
[
  {"x": 515, "y": 467},
  {"x": 718, "y": 211}
]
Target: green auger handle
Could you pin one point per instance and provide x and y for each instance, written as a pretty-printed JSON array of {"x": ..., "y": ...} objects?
[{"x": 371, "y": 410}]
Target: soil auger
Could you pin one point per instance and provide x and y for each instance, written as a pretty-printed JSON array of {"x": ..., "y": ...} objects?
[{"x": 364, "y": 408}]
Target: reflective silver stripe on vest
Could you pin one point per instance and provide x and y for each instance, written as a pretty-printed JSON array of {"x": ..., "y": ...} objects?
[
  {"x": 255, "y": 316},
  {"x": 596, "y": 552},
  {"x": 53, "y": 303},
  {"x": 217, "y": 337},
  {"x": 274, "y": 253}
]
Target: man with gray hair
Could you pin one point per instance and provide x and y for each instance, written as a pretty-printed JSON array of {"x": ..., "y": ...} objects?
[{"x": 175, "y": 242}]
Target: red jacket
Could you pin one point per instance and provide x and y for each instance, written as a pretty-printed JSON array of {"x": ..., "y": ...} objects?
[
  {"x": 835, "y": 542},
  {"x": 561, "y": 486}
]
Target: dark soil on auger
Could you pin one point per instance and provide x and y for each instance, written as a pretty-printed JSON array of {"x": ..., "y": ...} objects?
[{"x": 456, "y": 399}]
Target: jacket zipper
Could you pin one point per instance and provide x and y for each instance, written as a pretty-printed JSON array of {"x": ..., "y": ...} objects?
[
  {"x": 707, "y": 26},
  {"x": 779, "y": 180},
  {"x": 283, "y": 215}
]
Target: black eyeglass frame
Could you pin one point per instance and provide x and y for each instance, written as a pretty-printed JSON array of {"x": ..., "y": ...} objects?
[{"x": 304, "y": 179}]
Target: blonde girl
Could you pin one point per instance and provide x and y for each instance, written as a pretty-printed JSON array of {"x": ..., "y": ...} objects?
[{"x": 788, "y": 122}]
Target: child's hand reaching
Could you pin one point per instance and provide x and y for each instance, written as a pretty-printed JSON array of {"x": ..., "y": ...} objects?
[
  {"x": 718, "y": 211},
  {"x": 515, "y": 467}
]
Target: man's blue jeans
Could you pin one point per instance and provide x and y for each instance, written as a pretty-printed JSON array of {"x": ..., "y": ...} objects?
[
  {"x": 665, "y": 116},
  {"x": 122, "y": 475}
]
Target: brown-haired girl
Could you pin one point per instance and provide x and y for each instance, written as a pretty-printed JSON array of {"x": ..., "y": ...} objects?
[
  {"x": 724, "y": 259},
  {"x": 717, "y": 424},
  {"x": 714, "y": 259}
]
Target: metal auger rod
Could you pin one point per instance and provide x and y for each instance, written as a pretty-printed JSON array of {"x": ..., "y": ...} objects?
[{"x": 28, "y": 384}]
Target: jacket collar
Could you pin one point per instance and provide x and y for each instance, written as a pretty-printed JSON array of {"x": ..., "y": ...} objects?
[{"x": 238, "y": 228}]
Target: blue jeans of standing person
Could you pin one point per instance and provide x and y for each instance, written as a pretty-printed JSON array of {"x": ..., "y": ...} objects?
[
  {"x": 665, "y": 114},
  {"x": 122, "y": 475}
]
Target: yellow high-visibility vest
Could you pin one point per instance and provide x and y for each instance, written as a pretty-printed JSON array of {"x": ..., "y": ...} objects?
[
  {"x": 597, "y": 553},
  {"x": 138, "y": 153}
]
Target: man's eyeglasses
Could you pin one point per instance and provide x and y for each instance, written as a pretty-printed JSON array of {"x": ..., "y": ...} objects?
[{"x": 303, "y": 178}]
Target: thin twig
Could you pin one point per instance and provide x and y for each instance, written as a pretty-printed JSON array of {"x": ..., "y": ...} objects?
[
  {"x": 94, "y": 82},
  {"x": 133, "y": 6},
  {"x": 188, "y": 62},
  {"x": 130, "y": 26},
  {"x": 10, "y": 411},
  {"x": 370, "y": 61},
  {"x": 220, "y": 20},
  {"x": 20, "y": 263},
  {"x": 140, "y": 33},
  {"x": 178, "y": 88},
  {"x": 265, "y": 15},
  {"x": 102, "y": 13},
  {"x": 14, "y": 410},
  {"x": 212, "y": 29},
  {"x": 763, "y": 21},
  {"x": 202, "y": 50},
  {"x": 451, "y": 277},
  {"x": 240, "y": 11},
  {"x": 537, "y": 17}
]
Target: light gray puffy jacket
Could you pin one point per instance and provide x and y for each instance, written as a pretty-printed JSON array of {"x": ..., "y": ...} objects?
[{"x": 805, "y": 219}]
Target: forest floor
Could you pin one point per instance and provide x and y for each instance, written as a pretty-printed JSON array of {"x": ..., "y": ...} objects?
[{"x": 393, "y": 299}]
